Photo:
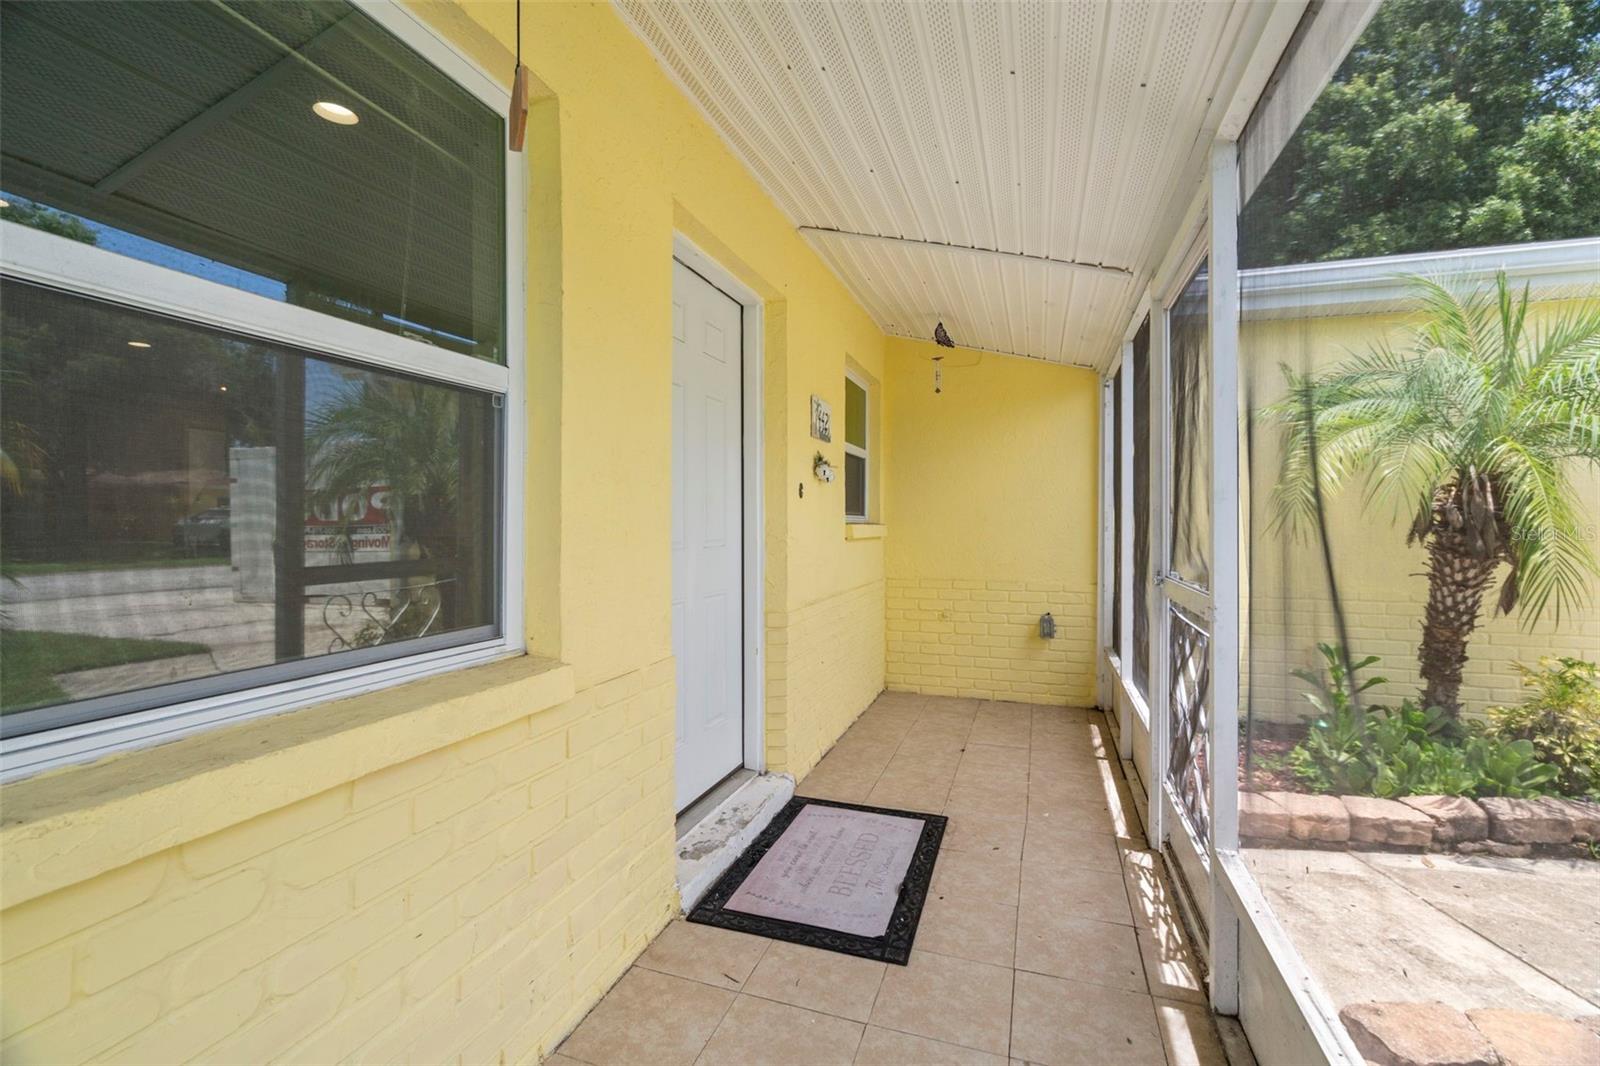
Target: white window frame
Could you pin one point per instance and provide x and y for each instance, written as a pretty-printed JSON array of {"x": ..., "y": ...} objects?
[
  {"x": 33, "y": 256},
  {"x": 1116, "y": 655},
  {"x": 864, "y": 454}
]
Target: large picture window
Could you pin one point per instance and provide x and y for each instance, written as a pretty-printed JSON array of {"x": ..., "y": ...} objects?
[
  {"x": 191, "y": 503},
  {"x": 255, "y": 357}
]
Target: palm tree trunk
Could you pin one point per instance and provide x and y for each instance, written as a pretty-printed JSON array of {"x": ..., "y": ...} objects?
[{"x": 1456, "y": 582}]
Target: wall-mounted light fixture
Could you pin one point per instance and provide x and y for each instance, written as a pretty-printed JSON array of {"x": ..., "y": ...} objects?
[{"x": 1047, "y": 626}]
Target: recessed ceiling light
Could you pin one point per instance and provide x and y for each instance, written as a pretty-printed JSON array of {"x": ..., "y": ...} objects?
[
  {"x": 138, "y": 344},
  {"x": 222, "y": 388},
  {"x": 338, "y": 114}
]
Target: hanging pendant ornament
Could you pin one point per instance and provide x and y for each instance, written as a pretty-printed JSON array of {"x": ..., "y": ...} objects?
[
  {"x": 938, "y": 375},
  {"x": 517, "y": 124}
]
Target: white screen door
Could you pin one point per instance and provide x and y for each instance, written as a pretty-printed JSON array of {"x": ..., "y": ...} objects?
[
  {"x": 707, "y": 532},
  {"x": 1184, "y": 595}
]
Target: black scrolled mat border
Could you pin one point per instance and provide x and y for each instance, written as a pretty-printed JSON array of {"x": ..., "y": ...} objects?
[{"x": 895, "y": 943}]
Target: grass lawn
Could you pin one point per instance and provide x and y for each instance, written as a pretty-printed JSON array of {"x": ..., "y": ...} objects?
[
  {"x": 29, "y": 659},
  {"x": 11, "y": 569}
]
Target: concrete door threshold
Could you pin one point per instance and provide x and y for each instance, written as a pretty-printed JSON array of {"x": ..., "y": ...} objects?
[{"x": 708, "y": 847}]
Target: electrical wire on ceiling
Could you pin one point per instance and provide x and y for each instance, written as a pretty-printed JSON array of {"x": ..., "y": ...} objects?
[{"x": 948, "y": 365}]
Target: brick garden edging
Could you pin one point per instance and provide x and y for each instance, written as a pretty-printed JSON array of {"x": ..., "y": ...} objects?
[{"x": 1492, "y": 825}]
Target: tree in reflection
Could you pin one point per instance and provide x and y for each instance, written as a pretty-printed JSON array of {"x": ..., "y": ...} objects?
[
  {"x": 402, "y": 434},
  {"x": 101, "y": 439},
  {"x": 405, "y": 436}
]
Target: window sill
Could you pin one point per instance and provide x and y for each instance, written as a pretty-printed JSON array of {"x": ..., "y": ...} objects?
[
  {"x": 865, "y": 531},
  {"x": 69, "y": 825}
]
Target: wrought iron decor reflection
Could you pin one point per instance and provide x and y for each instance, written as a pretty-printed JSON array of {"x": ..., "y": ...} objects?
[
  {"x": 410, "y": 612},
  {"x": 1187, "y": 770}
]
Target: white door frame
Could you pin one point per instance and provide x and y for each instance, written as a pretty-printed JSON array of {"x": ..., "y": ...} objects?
[
  {"x": 1105, "y": 665},
  {"x": 753, "y": 516},
  {"x": 1225, "y": 566}
]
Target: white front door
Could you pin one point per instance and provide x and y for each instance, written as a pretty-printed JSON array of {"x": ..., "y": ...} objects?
[{"x": 707, "y": 532}]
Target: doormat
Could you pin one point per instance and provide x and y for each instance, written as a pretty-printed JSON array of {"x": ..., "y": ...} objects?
[{"x": 837, "y": 876}]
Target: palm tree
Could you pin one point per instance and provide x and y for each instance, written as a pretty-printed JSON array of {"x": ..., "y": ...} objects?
[
  {"x": 1473, "y": 427},
  {"x": 21, "y": 451},
  {"x": 402, "y": 434}
]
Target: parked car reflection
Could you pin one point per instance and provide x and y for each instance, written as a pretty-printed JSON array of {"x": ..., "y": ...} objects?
[{"x": 205, "y": 531}]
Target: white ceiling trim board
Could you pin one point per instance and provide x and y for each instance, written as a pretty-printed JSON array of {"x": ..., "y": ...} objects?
[{"x": 941, "y": 245}]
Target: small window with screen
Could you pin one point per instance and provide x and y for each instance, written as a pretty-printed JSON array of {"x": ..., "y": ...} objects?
[{"x": 856, "y": 465}]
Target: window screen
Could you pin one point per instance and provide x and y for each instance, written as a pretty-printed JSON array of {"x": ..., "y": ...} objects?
[
  {"x": 1116, "y": 512},
  {"x": 855, "y": 450},
  {"x": 1141, "y": 510},
  {"x": 1188, "y": 323},
  {"x": 188, "y": 504},
  {"x": 855, "y": 414}
]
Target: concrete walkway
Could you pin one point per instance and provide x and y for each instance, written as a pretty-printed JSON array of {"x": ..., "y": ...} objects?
[{"x": 1468, "y": 931}]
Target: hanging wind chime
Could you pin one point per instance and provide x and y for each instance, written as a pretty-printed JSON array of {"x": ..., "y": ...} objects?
[{"x": 517, "y": 124}]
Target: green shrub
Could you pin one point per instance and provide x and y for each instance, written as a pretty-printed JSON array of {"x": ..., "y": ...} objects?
[
  {"x": 1559, "y": 719},
  {"x": 1406, "y": 750},
  {"x": 1388, "y": 752},
  {"x": 1508, "y": 768},
  {"x": 1336, "y": 689}
]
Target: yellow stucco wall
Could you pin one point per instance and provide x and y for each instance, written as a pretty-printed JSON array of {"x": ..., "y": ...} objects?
[
  {"x": 990, "y": 503},
  {"x": 1382, "y": 581},
  {"x": 470, "y": 877}
]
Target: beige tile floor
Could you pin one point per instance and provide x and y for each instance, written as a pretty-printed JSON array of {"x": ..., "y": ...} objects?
[{"x": 1048, "y": 936}]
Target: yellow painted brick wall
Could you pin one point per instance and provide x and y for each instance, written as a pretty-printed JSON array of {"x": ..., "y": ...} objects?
[
  {"x": 955, "y": 637},
  {"x": 1381, "y": 579},
  {"x": 825, "y": 664},
  {"x": 471, "y": 902},
  {"x": 992, "y": 522}
]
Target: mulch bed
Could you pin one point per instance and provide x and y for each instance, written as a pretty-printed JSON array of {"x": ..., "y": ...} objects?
[{"x": 1264, "y": 757}]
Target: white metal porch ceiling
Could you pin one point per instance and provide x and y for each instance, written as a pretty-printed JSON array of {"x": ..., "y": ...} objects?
[{"x": 1014, "y": 169}]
